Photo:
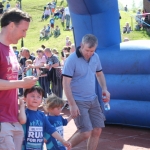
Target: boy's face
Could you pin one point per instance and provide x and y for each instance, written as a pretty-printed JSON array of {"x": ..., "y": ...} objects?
[
  {"x": 33, "y": 100},
  {"x": 56, "y": 111}
]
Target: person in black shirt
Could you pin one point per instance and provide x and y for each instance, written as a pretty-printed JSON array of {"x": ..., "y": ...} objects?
[
  {"x": 26, "y": 55},
  {"x": 54, "y": 74}
]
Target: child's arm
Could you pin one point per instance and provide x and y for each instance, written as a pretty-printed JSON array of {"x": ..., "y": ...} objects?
[
  {"x": 52, "y": 131},
  {"x": 22, "y": 116},
  {"x": 59, "y": 138},
  {"x": 69, "y": 118}
]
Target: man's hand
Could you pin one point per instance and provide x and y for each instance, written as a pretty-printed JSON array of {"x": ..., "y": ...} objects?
[
  {"x": 74, "y": 111},
  {"x": 67, "y": 144},
  {"x": 47, "y": 66},
  {"x": 30, "y": 66},
  {"x": 29, "y": 81},
  {"x": 105, "y": 96}
]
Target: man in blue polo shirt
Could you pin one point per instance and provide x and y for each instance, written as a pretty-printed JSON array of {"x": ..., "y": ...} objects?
[{"x": 79, "y": 85}]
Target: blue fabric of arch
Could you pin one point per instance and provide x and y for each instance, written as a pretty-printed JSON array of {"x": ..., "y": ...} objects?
[{"x": 126, "y": 65}]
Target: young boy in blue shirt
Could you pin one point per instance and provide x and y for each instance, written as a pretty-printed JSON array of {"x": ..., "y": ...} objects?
[
  {"x": 54, "y": 106},
  {"x": 35, "y": 123},
  {"x": 28, "y": 70},
  {"x": 52, "y": 20}
]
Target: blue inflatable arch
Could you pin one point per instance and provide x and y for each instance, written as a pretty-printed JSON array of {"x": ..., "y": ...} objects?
[{"x": 126, "y": 65}]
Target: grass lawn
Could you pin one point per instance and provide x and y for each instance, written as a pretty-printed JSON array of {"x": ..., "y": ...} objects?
[
  {"x": 35, "y": 9},
  {"x": 134, "y": 35}
]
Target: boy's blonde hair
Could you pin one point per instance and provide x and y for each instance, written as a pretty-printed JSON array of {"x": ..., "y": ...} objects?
[
  {"x": 53, "y": 102},
  {"x": 29, "y": 61}
]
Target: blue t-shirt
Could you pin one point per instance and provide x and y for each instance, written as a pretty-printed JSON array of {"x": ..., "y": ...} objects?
[
  {"x": 7, "y": 6},
  {"x": 47, "y": 29},
  {"x": 82, "y": 73},
  {"x": 58, "y": 122},
  {"x": 29, "y": 72},
  {"x": 52, "y": 21},
  {"x": 37, "y": 123},
  {"x": 16, "y": 53}
]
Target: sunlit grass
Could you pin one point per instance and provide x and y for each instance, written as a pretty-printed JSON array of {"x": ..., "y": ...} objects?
[{"x": 134, "y": 35}]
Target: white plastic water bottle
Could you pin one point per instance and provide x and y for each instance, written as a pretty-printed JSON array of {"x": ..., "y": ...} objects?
[{"x": 106, "y": 104}]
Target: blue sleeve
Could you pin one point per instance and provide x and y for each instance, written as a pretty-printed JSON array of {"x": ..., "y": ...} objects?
[
  {"x": 64, "y": 121},
  {"x": 55, "y": 60},
  {"x": 48, "y": 127},
  {"x": 69, "y": 67}
]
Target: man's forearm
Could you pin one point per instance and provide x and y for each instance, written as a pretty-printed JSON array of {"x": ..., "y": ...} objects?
[
  {"x": 68, "y": 93},
  {"x": 38, "y": 66},
  {"x": 69, "y": 118},
  {"x": 55, "y": 65},
  {"x": 8, "y": 85},
  {"x": 102, "y": 81}
]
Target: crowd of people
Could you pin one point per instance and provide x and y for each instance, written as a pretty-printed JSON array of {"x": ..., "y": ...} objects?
[
  {"x": 45, "y": 64},
  {"x": 141, "y": 19},
  {"x": 4, "y": 7},
  {"x": 52, "y": 12},
  {"x": 21, "y": 70}
]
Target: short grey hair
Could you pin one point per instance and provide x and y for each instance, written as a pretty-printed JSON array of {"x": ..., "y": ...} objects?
[
  {"x": 90, "y": 39},
  {"x": 48, "y": 50},
  {"x": 25, "y": 49}
]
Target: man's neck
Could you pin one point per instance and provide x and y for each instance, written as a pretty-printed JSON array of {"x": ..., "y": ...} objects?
[
  {"x": 27, "y": 57},
  {"x": 83, "y": 56},
  {"x": 3, "y": 41}
]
